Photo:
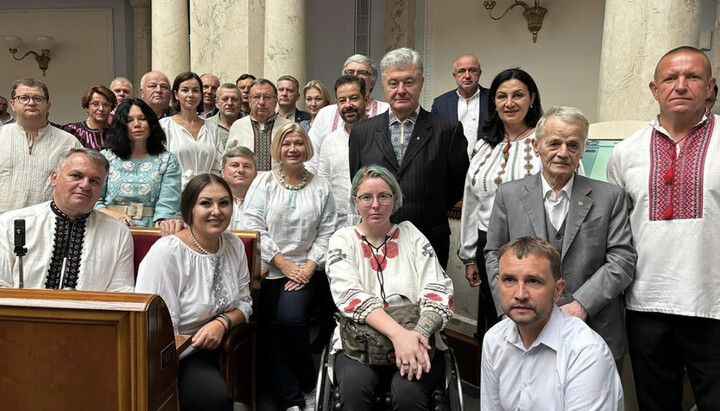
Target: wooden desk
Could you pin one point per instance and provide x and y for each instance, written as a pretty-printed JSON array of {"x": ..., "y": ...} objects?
[{"x": 182, "y": 342}]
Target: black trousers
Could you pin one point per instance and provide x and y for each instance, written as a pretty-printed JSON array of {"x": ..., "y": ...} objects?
[
  {"x": 201, "y": 385},
  {"x": 487, "y": 315},
  {"x": 357, "y": 383},
  {"x": 662, "y": 346}
]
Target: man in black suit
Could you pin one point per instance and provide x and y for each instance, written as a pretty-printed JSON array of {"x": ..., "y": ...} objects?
[
  {"x": 426, "y": 152},
  {"x": 471, "y": 109},
  {"x": 288, "y": 94}
]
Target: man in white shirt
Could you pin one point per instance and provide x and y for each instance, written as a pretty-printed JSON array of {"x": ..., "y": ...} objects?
[
  {"x": 328, "y": 118},
  {"x": 540, "y": 358},
  {"x": 350, "y": 95},
  {"x": 257, "y": 130},
  {"x": 68, "y": 244},
  {"x": 586, "y": 220},
  {"x": 468, "y": 103},
  {"x": 210, "y": 84},
  {"x": 31, "y": 147},
  {"x": 671, "y": 175}
]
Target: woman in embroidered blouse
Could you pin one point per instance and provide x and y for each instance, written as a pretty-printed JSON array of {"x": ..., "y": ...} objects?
[
  {"x": 294, "y": 211},
  {"x": 316, "y": 97},
  {"x": 143, "y": 184},
  {"x": 377, "y": 264},
  {"x": 195, "y": 142},
  {"x": 99, "y": 101},
  {"x": 202, "y": 274},
  {"x": 503, "y": 154}
]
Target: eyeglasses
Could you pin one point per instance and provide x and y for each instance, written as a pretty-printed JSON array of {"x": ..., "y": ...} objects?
[
  {"x": 266, "y": 97},
  {"x": 382, "y": 199},
  {"x": 357, "y": 73},
  {"x": 97, "y": 104},
  {"x": 35, "y": 99}
]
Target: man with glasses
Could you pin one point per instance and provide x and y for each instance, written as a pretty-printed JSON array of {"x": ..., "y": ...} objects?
[
  {"x": 31, "y": 147},
  {"x": 328, "y": 119},
  {"x": 468, "y": 102},
  {"x": 257, "y": 130}
]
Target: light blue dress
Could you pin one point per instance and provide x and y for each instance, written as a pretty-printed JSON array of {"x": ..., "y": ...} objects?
[{"x": 153, "y": 181}]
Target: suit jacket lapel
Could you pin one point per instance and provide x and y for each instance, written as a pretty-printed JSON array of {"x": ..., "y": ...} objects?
[
  {"x": 532, "y": 200},
  {"x": 382, "y": 138},
  {"x": 420, "y": 136},
  {"x": 580, "y": 205}
]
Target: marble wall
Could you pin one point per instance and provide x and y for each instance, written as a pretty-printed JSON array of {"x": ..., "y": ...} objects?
[{"x": 170, "y": 41}]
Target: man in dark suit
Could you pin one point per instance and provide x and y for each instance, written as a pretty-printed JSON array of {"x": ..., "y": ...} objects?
[
  {"x": 426, "y": 152},
  {"x": 586, "y": 220},
  {"x": 288, "y": 95},
  {"x": 471, "y": 109}
]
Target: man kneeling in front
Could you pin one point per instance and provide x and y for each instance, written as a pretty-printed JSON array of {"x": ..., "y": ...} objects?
[{"x": 539, "y": 358}]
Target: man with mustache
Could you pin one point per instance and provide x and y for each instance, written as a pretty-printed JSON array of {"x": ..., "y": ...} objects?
[
  {"x": 468, "y": 102},
  {"x": 586, "y": 220},
  {"x": 69, "y": 245},
  {"x": 540, "y": 357}
]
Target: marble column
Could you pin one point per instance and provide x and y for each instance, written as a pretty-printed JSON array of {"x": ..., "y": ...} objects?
[
  {"x": 170, "y": 42},
  {"x": 227, "y": 37},
  {"x": 284, "y": 39},
  {"x": 715, "y": 46},
  {"x": 635, "y": 35},
  {"x": 399, "y": 27},
  {"x": 142, "y": 50}
]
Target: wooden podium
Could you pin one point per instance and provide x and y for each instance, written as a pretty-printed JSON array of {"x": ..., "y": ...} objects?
[{"x": 70, "y": 350}]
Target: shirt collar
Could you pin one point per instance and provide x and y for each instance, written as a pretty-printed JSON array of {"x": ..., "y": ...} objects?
[
  {"x": 549, "y": 336},
  {"x": 548, "y": 191},
  {"x": 413, "y": 116},
  {"x": 655, "y": 123},
  {"x": 272, "y": 118},
  {"x": 474, "y": 96}
]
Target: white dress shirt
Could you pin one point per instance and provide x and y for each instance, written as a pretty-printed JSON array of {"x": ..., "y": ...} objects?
[
  {"x": 568, "y": 367},
  {"x": 335, "y": 168},
  {"x": 556, "y": 205},
  {"x": 468, "y": 112}
]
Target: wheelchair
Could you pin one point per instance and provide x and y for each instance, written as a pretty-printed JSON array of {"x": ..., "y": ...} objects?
[{"x": 446, "y": 397}]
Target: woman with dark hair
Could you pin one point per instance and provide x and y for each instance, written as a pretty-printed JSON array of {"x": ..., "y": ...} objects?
[
  {"x": 504, "y": 153},
  {"x": 99, "y": 101},
  {"x": 194, "y": 141},
  {"x": 143, "y": 184},
  {"x": 202, "y": 274}
]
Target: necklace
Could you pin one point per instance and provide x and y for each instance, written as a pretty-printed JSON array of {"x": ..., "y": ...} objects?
[
  {"x": 289, "y": 186},
  {"x": 197, "y": 244},
  {"x": 505, "y": 153}
]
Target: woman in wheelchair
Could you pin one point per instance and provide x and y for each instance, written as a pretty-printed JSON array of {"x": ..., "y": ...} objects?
[
  {"x": 375, "y": 268},
  {"x": 202, "y": 274}
]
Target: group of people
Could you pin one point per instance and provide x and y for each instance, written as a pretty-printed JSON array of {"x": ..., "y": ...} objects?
[{"x": 351, "y": 200}]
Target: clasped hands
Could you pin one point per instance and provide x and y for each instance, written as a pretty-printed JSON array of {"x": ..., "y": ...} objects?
[
  {"x": 299, "y": 276},
  {"x": 412, "y": 354}
]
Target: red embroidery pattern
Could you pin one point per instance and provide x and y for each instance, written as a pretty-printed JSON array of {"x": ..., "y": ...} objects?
[
  {"x": 676, "y": 181},
  {"x": 352, "y": 305},
  {"x": 389, "y": 250}
]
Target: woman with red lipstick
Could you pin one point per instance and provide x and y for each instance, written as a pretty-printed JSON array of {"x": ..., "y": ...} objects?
[
  {"x": 294, "y": 211},
  {"x": 195, "y": 142},
  {"x": 99, "y": 101},
  {"x": 143, "y": 184},
  {"x": 378, "y": 264},
  {"x": 202, "y": 274},
  {"x": 504, "y": 153}
]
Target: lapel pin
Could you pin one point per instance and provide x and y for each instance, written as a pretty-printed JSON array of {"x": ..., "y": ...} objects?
[{"x": 580, "y": 203}]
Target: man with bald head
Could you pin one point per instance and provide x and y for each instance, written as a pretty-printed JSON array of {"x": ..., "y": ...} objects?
[
  {"x": 210, "y": 85},
  {"x": 156, "y": 92},
  {"x": 468, "y": 102},
  {"x": 671, "y": 175}
]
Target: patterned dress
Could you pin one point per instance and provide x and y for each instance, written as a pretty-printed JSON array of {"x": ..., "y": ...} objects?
[
  {"x": 88, "y": 137},
  {"x": 153, "y": 181}
]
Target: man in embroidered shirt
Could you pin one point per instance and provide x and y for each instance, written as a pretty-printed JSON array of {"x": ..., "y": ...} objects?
[
  {"x": 540, "y": 357},
  {"x": 586, "y": 220},
  {"x": 155, "y": 91},
  {"x": 468, "y": 102},
  {"x": 70, "y": 246},
  {"x": 328, "y": 118},
  {"x": 210, "y": 84},
  {"x": 288, "y": 95},
  {"x": 671, "y": 174},
  {"x": 257, "y": 130},
  {"x": 31, "y": 147},
  {"x": 426, "y": 152}
]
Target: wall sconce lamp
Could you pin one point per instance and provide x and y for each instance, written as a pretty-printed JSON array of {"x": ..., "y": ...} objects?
[
  {"x": 533, "y": 15},
  {"x": 45, "y": 43}
]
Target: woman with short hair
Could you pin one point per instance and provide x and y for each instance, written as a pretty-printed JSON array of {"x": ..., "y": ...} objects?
[{"x": 98, "y": 101}]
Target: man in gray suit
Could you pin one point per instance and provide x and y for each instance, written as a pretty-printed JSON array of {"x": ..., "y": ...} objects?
[{"x": 586, "y": 220}]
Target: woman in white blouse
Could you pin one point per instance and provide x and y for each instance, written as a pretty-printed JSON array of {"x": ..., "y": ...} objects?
[
  {"x": 378, "y": 264},
  {"x": 195, "y": 142},
  {"x": 504, "y": 153},
  {"x": 202, "y": 274},
  {"x": 294, "y": 211}
]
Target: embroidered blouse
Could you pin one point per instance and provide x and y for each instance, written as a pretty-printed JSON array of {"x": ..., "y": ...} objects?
[
  {"x": 195, "y": 156},
  {"x": 88, "y": 137}
]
